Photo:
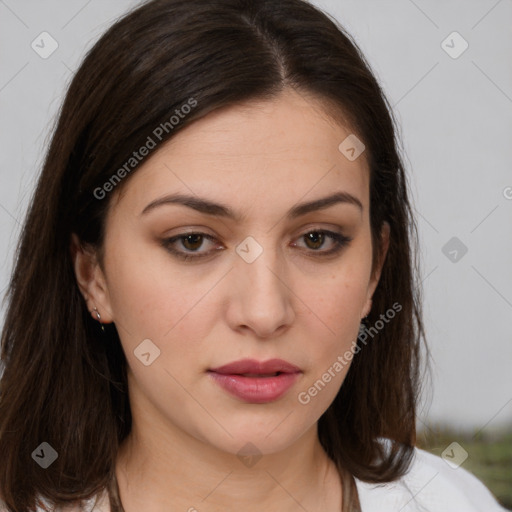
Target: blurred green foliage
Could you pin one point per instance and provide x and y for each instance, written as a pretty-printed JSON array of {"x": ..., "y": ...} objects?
[{"x": 489, "y": 456}]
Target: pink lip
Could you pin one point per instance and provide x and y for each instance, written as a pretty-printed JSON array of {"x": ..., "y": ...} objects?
[{"x": 232, "y": 377}]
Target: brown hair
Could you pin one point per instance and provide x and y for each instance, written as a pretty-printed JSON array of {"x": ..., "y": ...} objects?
[{"x": 64, "y": 380}]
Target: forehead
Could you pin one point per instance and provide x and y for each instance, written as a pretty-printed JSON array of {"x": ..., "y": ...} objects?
[{"x": 260, "y": 154}]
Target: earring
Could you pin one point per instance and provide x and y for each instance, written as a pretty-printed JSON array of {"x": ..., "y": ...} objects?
[
  {"x": 362, "y": 325},
  {"x": 99, "y": 318}
]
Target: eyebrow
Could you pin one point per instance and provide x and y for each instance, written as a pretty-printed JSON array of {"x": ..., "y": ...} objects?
[{"x": 220, "y": 210}]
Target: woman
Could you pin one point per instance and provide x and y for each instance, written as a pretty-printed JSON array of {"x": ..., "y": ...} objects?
[{"x": 222, "y": 202}]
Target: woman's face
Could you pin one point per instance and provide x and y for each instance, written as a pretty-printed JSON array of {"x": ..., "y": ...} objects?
[{"x": 269, "y": 282}]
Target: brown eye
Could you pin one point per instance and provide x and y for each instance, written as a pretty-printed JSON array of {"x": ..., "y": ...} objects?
[
  {"x": 192, "y": 242},
  {"x": 314, "y": 239},
  {"x": 189, "y": 245}
]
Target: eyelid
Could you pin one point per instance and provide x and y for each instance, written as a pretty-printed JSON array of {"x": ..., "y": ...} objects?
[
  {"x": 339, "y": 239},
  {"x": 167, "y": 242}
]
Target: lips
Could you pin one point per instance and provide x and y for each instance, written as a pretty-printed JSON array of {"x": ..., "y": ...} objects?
[
  {"x": 251, "y": 367},
  {"x": 256, "y": 381}
]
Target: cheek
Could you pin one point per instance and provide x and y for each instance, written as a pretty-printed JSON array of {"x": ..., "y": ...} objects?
[
  {"x": 340, "y": 303},
  {"x": 334, "y": 307},
  {"x": 339, "y": 298},
  {"x": 153, "y": 298},
  {"x": 145, "y": 300},
  {"x": 339, "y": 308}
]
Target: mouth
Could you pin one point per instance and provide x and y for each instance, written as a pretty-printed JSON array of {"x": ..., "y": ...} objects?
[
  {"x": 256, "y": 381},
  {"x": 262, "y": 375},
  {"x": 254, "y": 368}
]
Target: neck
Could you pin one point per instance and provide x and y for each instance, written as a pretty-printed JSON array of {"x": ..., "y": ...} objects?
[{"x": 161, "y": 470}]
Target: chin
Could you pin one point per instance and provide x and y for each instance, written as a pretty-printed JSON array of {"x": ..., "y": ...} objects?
[{"x": 248, "y": 437}]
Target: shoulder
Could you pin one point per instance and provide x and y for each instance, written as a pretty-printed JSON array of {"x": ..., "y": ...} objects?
[{"x": 430, "y": 485}]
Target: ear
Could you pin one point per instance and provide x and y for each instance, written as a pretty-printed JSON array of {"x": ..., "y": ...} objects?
[
  {"x": 374, "y": 281},
  {"x": 91, "y": 279}
]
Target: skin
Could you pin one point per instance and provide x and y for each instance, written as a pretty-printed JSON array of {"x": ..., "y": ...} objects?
[{"x": 260, "y": 159}]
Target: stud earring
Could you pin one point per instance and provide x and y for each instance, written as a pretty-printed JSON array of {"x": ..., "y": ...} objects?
[
  {"x": 362, "y": 325},
  {"x": 99, "y": 318}
]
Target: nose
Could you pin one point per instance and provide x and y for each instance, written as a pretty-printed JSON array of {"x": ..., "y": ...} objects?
[{"x": 260, "y": 297}]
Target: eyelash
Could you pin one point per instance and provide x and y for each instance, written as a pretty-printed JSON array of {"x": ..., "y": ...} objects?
[{"x": 340, "y": 240}]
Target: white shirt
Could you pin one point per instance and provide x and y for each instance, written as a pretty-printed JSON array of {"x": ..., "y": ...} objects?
[{"x": 430, "y": 485}]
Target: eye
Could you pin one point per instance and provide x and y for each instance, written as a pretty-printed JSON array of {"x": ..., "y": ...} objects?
[
  {"x": 315, "y": 240},
  {"x": 192, "y": 242}
]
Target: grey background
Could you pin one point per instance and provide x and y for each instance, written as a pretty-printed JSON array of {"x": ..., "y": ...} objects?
[{"x": 456, "y": 125}]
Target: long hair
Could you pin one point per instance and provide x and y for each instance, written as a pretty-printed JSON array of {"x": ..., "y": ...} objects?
[{"x": 64, "y": 381}]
